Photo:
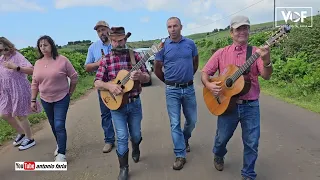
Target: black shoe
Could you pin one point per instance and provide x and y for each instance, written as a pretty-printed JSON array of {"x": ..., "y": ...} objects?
[
  {"x": 179, "y": 163},
  {"x": 124, "y": 166},
  {"x": 136, "y": 151},
  {"x": 187, "y": 146},
  {"x": 218, "y": 163}
]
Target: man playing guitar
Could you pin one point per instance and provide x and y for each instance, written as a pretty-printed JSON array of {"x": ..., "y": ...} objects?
[
  {"x": 128, "y": 117},
  {"x": 247, "y": 110}
]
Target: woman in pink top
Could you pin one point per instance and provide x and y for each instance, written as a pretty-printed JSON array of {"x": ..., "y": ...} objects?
[
  {"x": 15, "y": 92},
  {"x": 50, "y": 79}
]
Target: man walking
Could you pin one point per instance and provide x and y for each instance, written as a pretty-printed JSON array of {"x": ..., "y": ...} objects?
[
  {"x": 92, "y": 63},
  {"x": 179, "y": 57},
  {"x": 247, "y": 111}
]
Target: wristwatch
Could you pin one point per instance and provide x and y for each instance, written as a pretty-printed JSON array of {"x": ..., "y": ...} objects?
[
  {"x": 269, "y": 65},
  {"x": 18, "y": 68}
]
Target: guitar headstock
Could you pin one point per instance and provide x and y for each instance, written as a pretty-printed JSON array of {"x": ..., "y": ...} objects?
[
  {"x": 279, "y": 35},
  {"x": 155, "y": 48}
]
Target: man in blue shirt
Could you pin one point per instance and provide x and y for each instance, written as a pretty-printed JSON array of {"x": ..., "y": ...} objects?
[
  {"x": 180, "y": 60},
  {"x": 91, "y": 65}
]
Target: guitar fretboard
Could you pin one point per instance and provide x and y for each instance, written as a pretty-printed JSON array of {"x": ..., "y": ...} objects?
[
  {"x": 146, "y": 56},
  {"x": 245, "y": 66}
]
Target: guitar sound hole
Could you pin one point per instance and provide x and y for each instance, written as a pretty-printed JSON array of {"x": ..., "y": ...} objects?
[{"x": 229, "y": 82}]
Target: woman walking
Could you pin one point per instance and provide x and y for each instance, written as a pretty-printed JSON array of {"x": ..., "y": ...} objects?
[
  {"x": 50, "y": 79},
  {"x": 15, "y": 92}
]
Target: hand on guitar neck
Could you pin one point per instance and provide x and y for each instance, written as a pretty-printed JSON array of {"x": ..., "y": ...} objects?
[{"x": 136, "y": 75}]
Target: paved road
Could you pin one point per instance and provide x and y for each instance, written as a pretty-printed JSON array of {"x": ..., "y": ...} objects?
[{"x": 289, "y": 149}]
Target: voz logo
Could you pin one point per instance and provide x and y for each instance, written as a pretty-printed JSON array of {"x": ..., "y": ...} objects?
[{"x": 295, "y": 16}]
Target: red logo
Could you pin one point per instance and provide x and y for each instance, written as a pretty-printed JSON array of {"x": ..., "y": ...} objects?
[{"x": 29, "y": 165}]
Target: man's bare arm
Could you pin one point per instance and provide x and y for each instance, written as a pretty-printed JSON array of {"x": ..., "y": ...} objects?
[
  {"x": 195, "y": 63},
  {"x": 92, "y": 66},
  {"x": 158, "y": 70}
]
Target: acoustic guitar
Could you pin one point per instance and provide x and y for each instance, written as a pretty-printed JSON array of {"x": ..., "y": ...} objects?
[
  {"x": 233, "y": 84},
  {"x": 113, "y": 101}
]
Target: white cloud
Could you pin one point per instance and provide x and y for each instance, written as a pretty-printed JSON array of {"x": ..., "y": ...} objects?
[
  {"x": 121, "y": 5},
  {"x": 204, "y": 15},
  {"x": 19, "y": 5},
  {"x": 145, "y": 19},
  {"x": 204, "y": 24},
  {"x": 258, "y": 11},
  {"x": 261, "y": 10}
]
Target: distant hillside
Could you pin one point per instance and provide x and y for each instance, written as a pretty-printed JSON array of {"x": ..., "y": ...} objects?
[{"x": 215, "y": 34}]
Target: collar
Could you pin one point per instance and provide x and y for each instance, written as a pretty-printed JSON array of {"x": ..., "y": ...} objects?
[
  {"x": 170, "y": 40},
  {"x": 243, "y": 47},
  {"x": 100, "y": 41}
]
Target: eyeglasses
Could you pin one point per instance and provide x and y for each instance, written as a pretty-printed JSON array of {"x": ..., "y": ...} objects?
[{"x": 5, "y": 49}]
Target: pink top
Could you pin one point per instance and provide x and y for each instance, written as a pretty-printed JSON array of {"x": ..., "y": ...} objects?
[
  {"x": 237, "y": 56},
  {"x": 50, "y": 78}
]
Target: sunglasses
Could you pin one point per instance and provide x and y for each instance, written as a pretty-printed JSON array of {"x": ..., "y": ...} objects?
[{"x": 5, "y": 49}]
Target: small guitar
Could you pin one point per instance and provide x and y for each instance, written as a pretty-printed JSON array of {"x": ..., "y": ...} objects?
[
  {"x": 233, "y": 84},
  {"x": 114, "y": 102}
]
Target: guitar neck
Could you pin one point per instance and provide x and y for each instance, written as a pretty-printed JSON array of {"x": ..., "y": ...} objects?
[
  {"x": 245, "y": 66},
  {"x": 136, "y": 67}
]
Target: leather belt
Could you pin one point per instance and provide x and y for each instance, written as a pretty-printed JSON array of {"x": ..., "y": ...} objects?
[
  {"x": 180, "y": 85},
  {"x": 132, "y": 99},
  {"x": 242, "y": 101}
]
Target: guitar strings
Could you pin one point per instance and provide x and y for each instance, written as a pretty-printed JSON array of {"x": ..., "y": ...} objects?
[{"x": 138, "y": 65}]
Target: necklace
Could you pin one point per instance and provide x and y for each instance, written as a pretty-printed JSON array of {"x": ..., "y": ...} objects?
[{"x": 47, "y": 63}]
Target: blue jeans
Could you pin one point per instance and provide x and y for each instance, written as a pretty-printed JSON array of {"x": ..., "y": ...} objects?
[
  {"x": 106, "y": 122},
  {"x": 57, "y": 113},
  {"x": 127, "y": 121},
  {"x": 249, "y": 117},
  {"x": 175, "y": 98}
]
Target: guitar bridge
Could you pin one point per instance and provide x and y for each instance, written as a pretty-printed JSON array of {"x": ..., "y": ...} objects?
[
  {"x": 114, "y": 98},
  {"x": 218, "y": 99}
]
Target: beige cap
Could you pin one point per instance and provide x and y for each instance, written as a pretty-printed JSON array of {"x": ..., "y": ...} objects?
[
  {"x": 101, "y": 23},
  {"x": 238, "y": 21}
]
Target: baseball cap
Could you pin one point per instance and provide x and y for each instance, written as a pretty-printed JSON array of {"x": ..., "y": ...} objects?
[
  {"x": 101, "y": 23},
  {"x": 238, "y": 21}
]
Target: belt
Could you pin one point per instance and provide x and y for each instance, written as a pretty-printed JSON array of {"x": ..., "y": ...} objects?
[
  {"x": 181, "y": 85},
  {"x": 132, "y": 99},
  {"x": 242, "y": 101}
]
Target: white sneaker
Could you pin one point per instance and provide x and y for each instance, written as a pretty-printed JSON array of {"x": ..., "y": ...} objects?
[
  {"x": 18, "y": 140},
  {"x": 56, "y": 151},
  {"x": 60, "y": 158},
  {"x": 26, "y": 144}
]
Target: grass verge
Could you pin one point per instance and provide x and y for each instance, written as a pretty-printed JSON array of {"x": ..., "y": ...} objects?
[
  {"x": 290, "y": 95},
  {"x": 84, "y": 84}
]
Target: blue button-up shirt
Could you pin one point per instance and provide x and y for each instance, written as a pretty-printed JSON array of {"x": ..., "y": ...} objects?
[{"x": 94, "y": 51}]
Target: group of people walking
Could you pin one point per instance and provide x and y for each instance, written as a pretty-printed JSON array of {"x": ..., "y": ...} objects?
[
  {"x": 19, "y": 98},
  {"x": 175, "y": 65}
]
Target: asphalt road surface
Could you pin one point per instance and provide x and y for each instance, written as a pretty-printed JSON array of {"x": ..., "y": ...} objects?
[{"x": 289, "y": 147}]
